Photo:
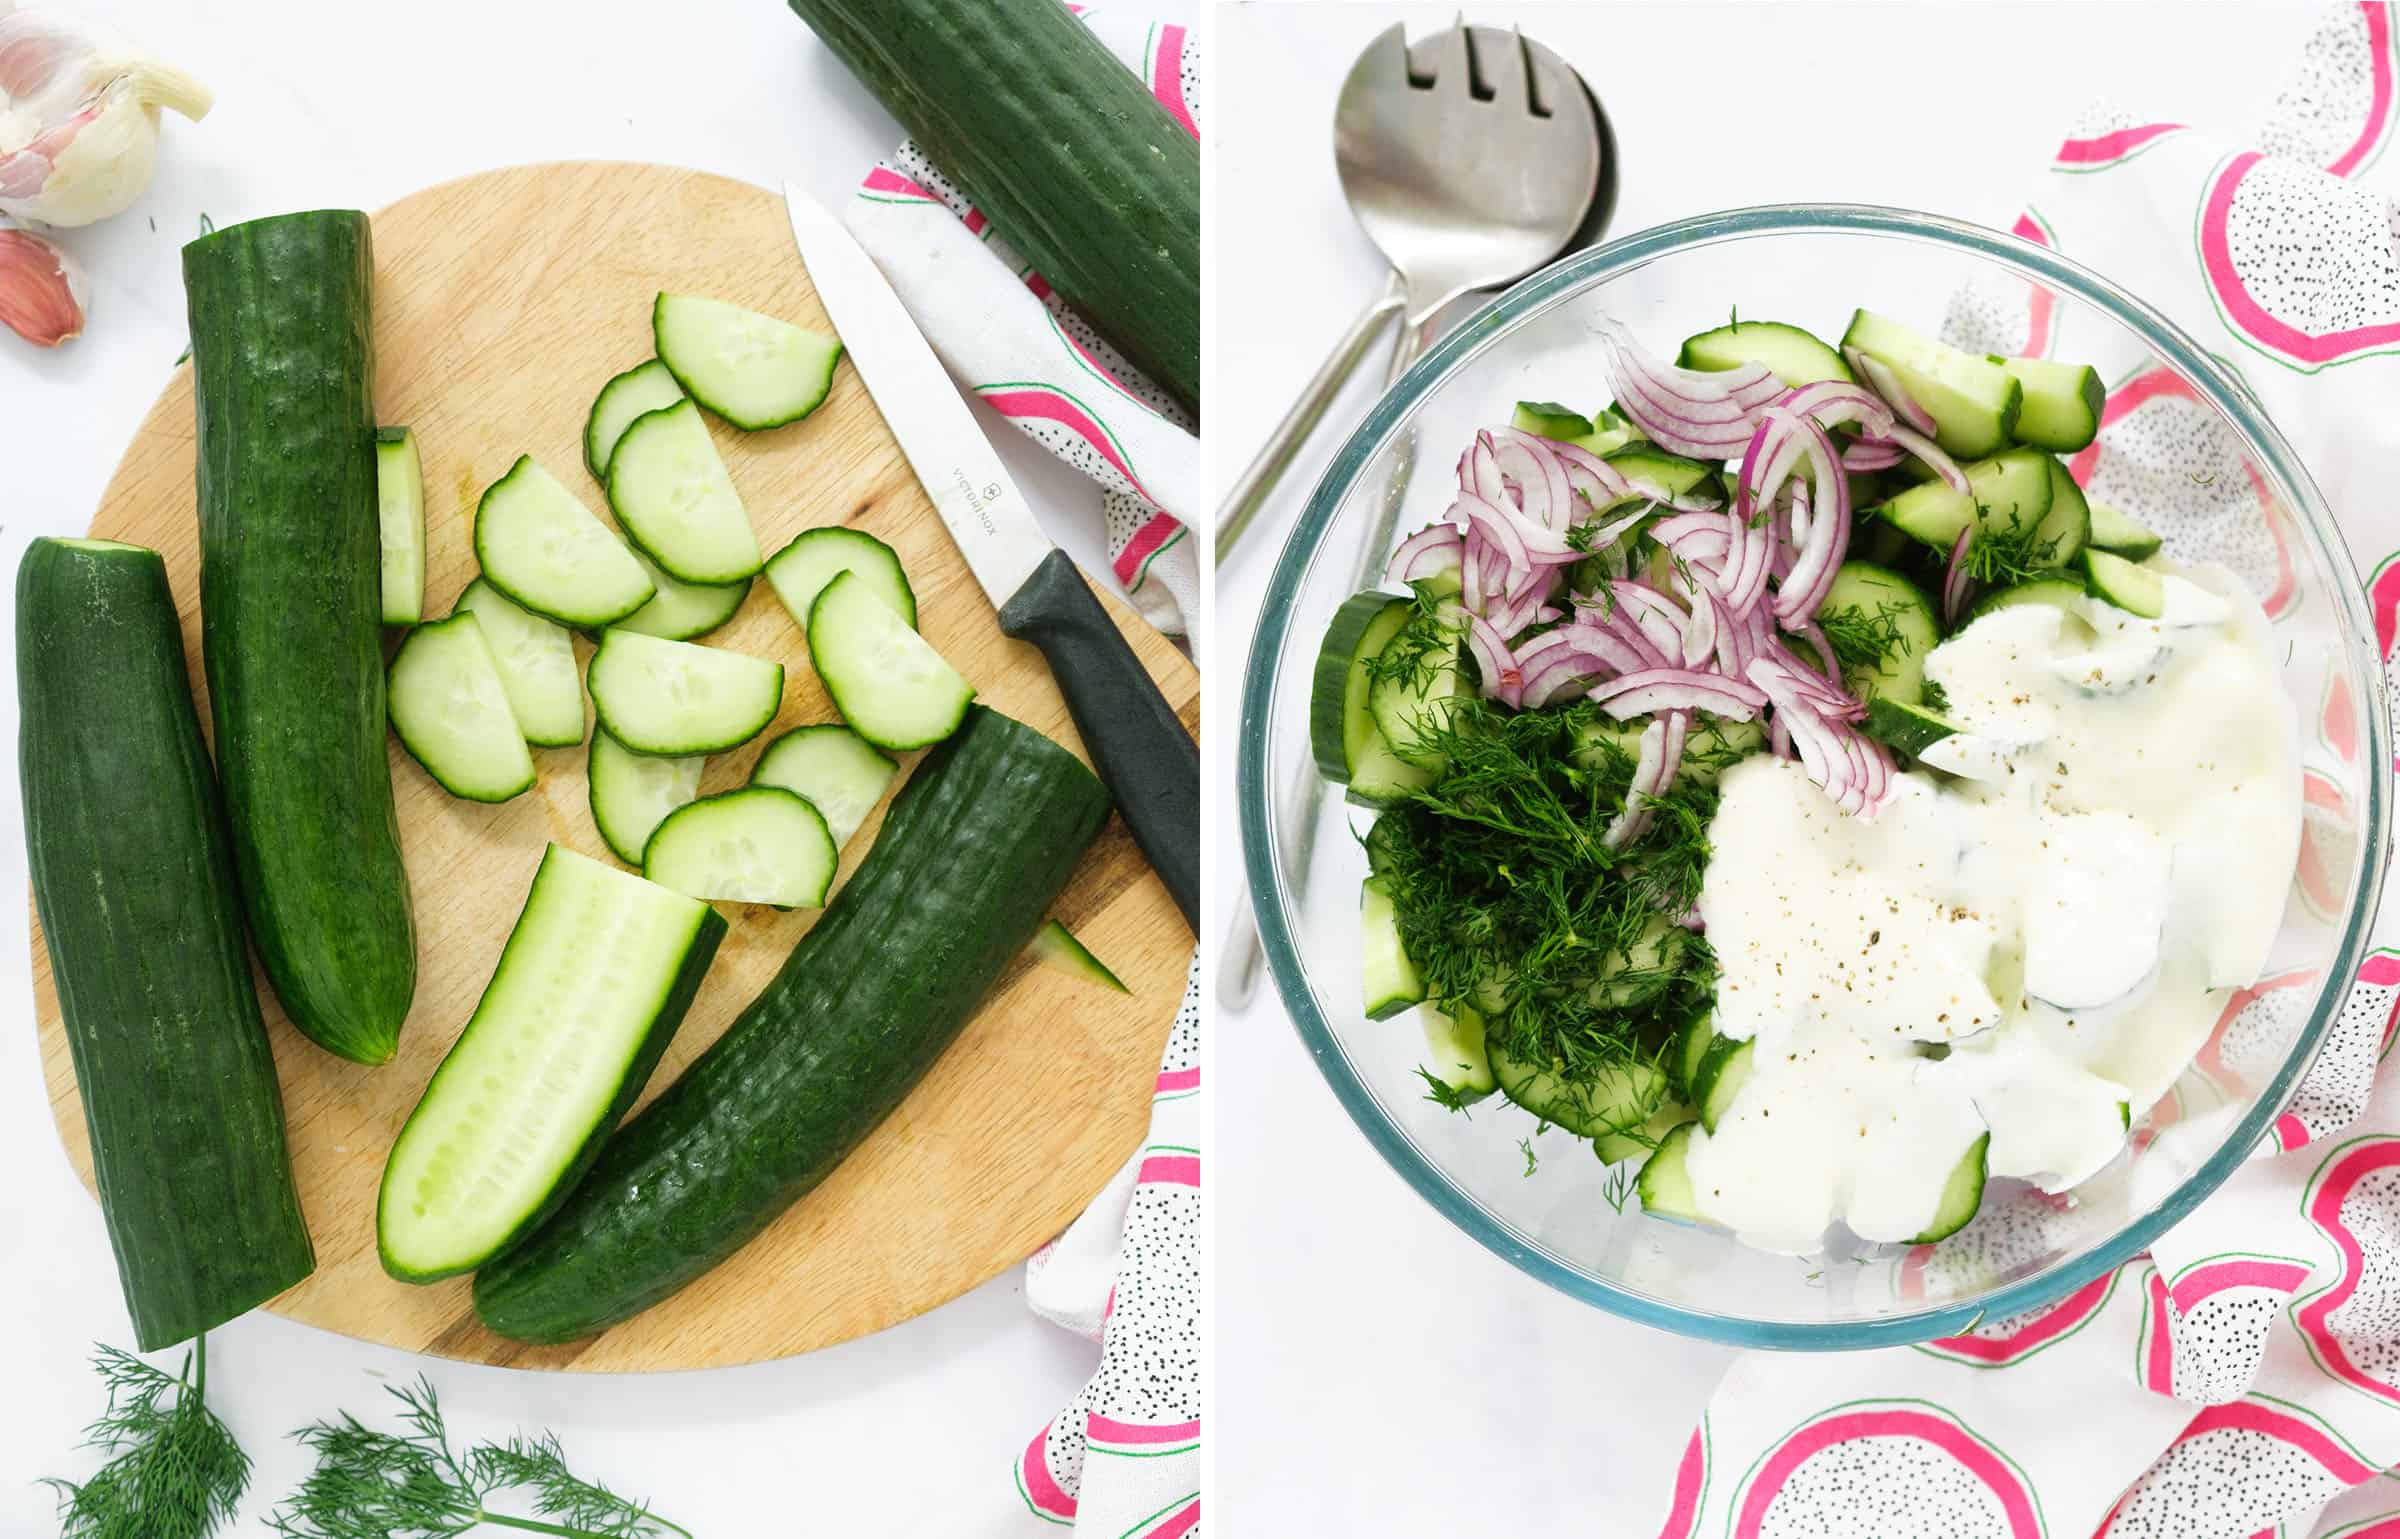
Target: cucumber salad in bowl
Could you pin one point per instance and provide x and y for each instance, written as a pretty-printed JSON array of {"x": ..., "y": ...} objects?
[{"x": 1791, "y": 781}]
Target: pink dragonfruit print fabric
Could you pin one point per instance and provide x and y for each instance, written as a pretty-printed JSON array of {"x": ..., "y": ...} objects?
[
  {"x": 1009, "y": 339},
  {"x": 2242, "y": 1381}
]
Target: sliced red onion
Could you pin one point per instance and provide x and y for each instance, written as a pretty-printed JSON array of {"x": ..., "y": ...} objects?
[
  {"x": 1828, "y": 529},
  {"x": 1829, "y": 665},
  {"x": 1427, "y": 553},
  {"x": 1505, "y": 535},
  {"x": 1660, "y": 618},
  {"x": 1546, "y": 614},
  {"x": 1732, "y": 638},
  {"x": 1700, "y": 630},
  {"x": 1689, "y": 411},
  {"x": 1501, "y": 679},
  {"x": 1474, "y": 553},
  {"x": 1649, "y": 774},
  {"x": 1821, "y": 691},
  {"x": 1872, "y": 454},
  {"x": 1830, "y": 403},
  {"x": 1539, "y": 474},
  {"x": 1936, "y": 460},
  {"x": 1779, "y": 737},
  {"x": 1479, "y": 472},
  {"x": 1572, "y": 660},
  {"x": 1878, "y": 376},
  {"x": 1690, "y": 918},
  {"x": 1676, "y": 527},
  {"x": 1694, "y": 501},
  {"x": 1595, "y": 479},
  {"x": 1675, "y": 689},
  {"x": 1957, "y": 585},
  {"x": 1879, "y": 788},
  {"x": 1617, "y": 622}
]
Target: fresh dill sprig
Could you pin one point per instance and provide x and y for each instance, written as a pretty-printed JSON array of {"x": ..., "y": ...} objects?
[
  {"x": 1863, "y": 640},
  {"x": 174, "y": 1470},
  {"x": 1936, "y": 699},
  {"x": 2004, "y": 553},
  {"x": 410, "y": 1485},
  {"x": 1621, "y": 1182},
  {"x": 1447, "y": 1097},
  {"x": 1532, "y": 1163}
]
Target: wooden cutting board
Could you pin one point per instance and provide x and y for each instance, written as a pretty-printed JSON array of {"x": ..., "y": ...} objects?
[{"x": 502, "y": 303}]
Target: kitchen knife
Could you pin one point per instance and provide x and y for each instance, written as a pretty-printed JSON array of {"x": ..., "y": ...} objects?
[{"x": 1137, "y": 743}]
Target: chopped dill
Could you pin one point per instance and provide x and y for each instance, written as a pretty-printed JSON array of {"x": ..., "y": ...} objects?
[
  {"x": 1864, "y": 641},
  {"x": 1525, "y": 1147},
  {"x": 2004, "y": 554},
  {"x": 1621, "y": 1183},
  {"x": 1444, "y": 1096},
  {"x": 1936, "y": 698}
]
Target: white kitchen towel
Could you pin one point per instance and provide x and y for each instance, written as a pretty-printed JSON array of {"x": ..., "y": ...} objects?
[
  {"x": 2242, "y": 1381},
  {"x": 1010, "y": 340}
]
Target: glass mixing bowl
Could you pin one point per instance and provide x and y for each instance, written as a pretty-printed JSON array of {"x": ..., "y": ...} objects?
[{"x": 2187, "y": 449}]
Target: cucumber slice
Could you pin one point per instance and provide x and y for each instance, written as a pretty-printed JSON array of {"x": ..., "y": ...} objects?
[
  {"x": 596, "y": 976},
  {"x": 452, "y": 714},
  {"x": 2067, "y": 528},
  {"x": 536, "y": 659},
  {"x": 1610, "y": 432},
  {"x": 539, "y": 544},
  {"x": 1646, "y": 968},
  {"x": 676, "y": 699},
  {"x": 2009, "y": 490},
  {"x": 2122, "y": 535},
  {"x": 1797, "y": 357},
  {"x": 1454, "y": 1054},
  {"x": 2061, "y": 403},
  {"x": 1412, "y": 705},
  {"x": 400, "y": 509},
  {"x": 639, "y": 391},
  {"x": 1615, "y": 1097},
  {"x": 632, "y": 793},
  {"x": 751, "y": 369},
  {"x": 815, "y": 557},
  {"x": 1665, "y": 1184},
  {"x": 1386, "y": 974},
  {"x": 680, "y": 611},
  {"x": 2134, "y": 589},
  {"x": 1975, "y": 403},
  {"x": 1869, "y": 606},
  {"x": 1962, "y": 1195},
  {"x": 1671, "y": 473},
  {"x": 753, "y": 844},
  {"x": 1350, "y": 749},
  {"x": 2057, "y": 592},
  {"x": 1716, "y": 745},
  {"x": 1548, "y": 419},
  {"x": 892, "y": 687},
  {"x": 1907, "y": 725},
  {"x": 1691, "y": 1051},
  {"x": 842, "y": 774},
  {"x": 1724, "y": 1069},
  {"x": 675, "y": 502},
  {"x": 1054, "y": 945},
  {"x": 1639, "y": 1143}
]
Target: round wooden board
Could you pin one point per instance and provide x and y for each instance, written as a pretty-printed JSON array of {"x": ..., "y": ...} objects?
[{"x": 502, "y": 303}]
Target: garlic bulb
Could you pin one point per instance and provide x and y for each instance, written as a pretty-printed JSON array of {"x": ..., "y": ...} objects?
[
  {"x": 41, "y": 289},
  {"x": 79, "y": 119}
]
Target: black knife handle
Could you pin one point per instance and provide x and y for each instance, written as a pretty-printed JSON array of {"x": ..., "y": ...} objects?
[{"x": 1150, "y": 764}]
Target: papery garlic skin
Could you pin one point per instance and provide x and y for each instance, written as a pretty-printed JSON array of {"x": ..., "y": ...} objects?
[
  {"x": 79, "y": 121},
  {"x": 42, "y": 291}
]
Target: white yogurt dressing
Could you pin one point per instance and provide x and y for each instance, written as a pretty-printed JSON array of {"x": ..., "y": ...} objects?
[{"x": 2062, "y": 914}]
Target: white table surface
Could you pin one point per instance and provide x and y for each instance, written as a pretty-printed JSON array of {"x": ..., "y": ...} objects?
[
  {"x": 1375, "y": 1370},
  {"x": 909, "y": 1431}
]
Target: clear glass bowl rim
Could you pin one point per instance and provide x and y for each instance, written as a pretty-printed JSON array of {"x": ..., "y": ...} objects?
[{"x": 2222, "y": 388}]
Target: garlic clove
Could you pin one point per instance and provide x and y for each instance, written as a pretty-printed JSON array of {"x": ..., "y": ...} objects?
[{"x": 41, "y": 289}]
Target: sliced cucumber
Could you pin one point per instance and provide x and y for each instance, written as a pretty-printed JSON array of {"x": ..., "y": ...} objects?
[
  {"x": 596, "y": 976},
  {"x": 1665, "y": 1183},
  {"x": 815, "y": 557},
  {"x": 632, "y": 793},
  {"x": 1389, "y": 979},
  {"x": 1548, "y": 419},
  {"x": 539, "y": 544},
  {"x": 2062, "y": 401},
  {"x": 1797, "y": 357},
  {"x": 1975, "y": 403},
  {"x": 1699, "y": 1034},
  {"x": 1054, "y": 945},
  {"x": 1716, "y": 745},
  {"x": 1615, "y": 1096},
  {"x": 536, "y": 659},
  {"x": 1639, "y": 1143},
  {"x": 1881, "y": 608},
  {"x": 2134, "y": 589},
  {"x": 1350, "y": 749},
  {"x": 640, "y": 390},
  {"x": 1412, "y": 705},
  {"x": 2067, "y": 528},
  {"x": 1610, "y": 432},
  {"x": 1670, "y": 473},
  {"x": 1907, "y": 725},
  {"x": 754, "y": 844},
  {"x": 2057, "y": 592},
  {"x": 751, "y": 369},
  {"x": 681, "y": 611},
  {"x": 675, "y": 501},
  {"x": 677, "y": 699},
  {"x": 2009, "y": 490},
  {"x": 2120, "y": 534},
  {"x": 1962, "y": 1195},
  {"x": 1646, "y": 968},
  {"x": 1454, "y": 1054},
  {"x": 890, "y": 685},
  {"x": 842, "y": 774},
  {"x": 1724, "y": 1069},
  {"x": 400, "y": 507},
  {"x": 452, "y": 714}
]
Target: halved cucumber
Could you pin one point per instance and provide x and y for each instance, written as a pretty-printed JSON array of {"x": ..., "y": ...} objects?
[
  {"x": 1665, "y": 1184},
  {"x": 1878, "y": 603},
  {"x": 1613, "y": 1098},
  {"x": 751, "y": 369},
  {"x": 842, "y": 774},
  {"x": 452, "y": 714},
  {"x": 1454, "y": 1053},
  {"x": 1388, "y": 978},
  {"x": 2120, "y": 534},
  {"x": 1350, "y": 750},
  {"x": 1796, "y": 356},
  {"x": 1054, "y": 945},
  {"x": 2134, "y": 589},
  {"x": 1412, "y": 704},
  {"x": 536, "y": 659},
  {"x": 1962, "y": 1195},
  {"x": 680, "y": 611},
  {"x": 1640, "y": 1143},
  {"x": 754, "y": 844},
  {"x": 2067, "y": 528},
  {"x": 1548, "y": 419},
  {"x": 596, "y": 976},
  {"x": 675, "y": 502},
  {"x": 2009, "y": 490},
  {"x": 539, "y": 544},
  {"x": 677, "y": 699},
  {"x": 1975, "y": 403},
  {"x": 1723, "y": 1070},
  {"x": 2062, "y": 401},
  {"x": 632, "y": 793},
  {"x": 640, "y": 390},
  {"x": 815, "y": 557},
  {"x": 1907, "y": 725},
  {"x": 2056, "y": 592},
  {"x": 888, "y": 682},
  {"x": 400, "y": 508}
]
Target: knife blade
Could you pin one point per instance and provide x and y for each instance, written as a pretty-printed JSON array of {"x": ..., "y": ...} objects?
[{"x": 1137, "y": 743}]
